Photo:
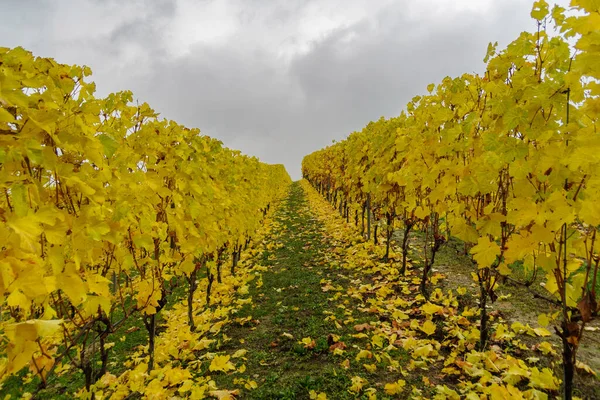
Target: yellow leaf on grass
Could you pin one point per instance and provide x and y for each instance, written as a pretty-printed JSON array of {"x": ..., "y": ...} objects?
[
  {"x": 221, "y": 363},
  {"x": 317, "y": 396},
  {"x": 364, "y": 354},
  {"x": 543, "y": 379},
  {"x": 546, "y": 348},
  {"x": 430, "y": 309},
  {"x": 308, "y": 343},
  {"x": 239, "y": 353},
  {"x": 395, "y": 387},
  {"x": 428, "y": 327},
  {"x": 447, "y": 393},
  {"x": 542, "y": 332},
  {"x": 250, "y": 385},
  {"x": 424, "y": 351},
  {"x": 400, "y": 315},
  {"x": 502, "y": 332},
  {"x": 357, "y": 384},
  {"x": 377, "y": 340},
  {"x": 224, "y": 394},
  {"x": 203, "y": 344},
  {"x": 584, "y": 367},
  {"x": 370, "y": 367},
  {"x": 338, "y": 352}
]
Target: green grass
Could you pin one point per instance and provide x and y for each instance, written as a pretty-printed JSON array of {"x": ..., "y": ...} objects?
[{"x": 283, "y": 368}]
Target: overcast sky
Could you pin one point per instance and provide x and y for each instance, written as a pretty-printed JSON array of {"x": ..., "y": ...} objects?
[{"x": 275, "y": 79}]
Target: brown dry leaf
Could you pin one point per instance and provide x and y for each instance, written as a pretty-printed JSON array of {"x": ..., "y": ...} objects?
[
  {"x": 338, "y": 345},
  {"x": 362, "y": 327},
  {"x": 327, "y": 287},
  {"x": 585, "y": 306}
]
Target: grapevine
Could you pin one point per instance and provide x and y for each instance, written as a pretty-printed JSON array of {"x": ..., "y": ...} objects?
[
  {"x": 507, "y": 162},
  {"x": 104, "y": 206}
]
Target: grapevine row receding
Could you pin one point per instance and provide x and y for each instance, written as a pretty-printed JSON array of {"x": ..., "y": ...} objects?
[
  {"x": 102, "y": 203},
  {"x": 508, "y": 162}
]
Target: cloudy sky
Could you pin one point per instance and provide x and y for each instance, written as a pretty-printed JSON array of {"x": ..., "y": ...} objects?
[{"x": 275, "y": 79}]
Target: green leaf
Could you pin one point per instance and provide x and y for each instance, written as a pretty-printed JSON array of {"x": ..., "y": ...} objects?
[{"x": 110, "y": 145}]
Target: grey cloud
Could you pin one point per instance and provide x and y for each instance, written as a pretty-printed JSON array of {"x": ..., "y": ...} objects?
[
  {"x": 248, "y": 95},
  {"x": 349, "y": 82}
]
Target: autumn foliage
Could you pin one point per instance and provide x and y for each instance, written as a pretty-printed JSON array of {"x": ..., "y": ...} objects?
[
  {"x": 507, "y": 162},
  {"x": 103, "y": 206}
]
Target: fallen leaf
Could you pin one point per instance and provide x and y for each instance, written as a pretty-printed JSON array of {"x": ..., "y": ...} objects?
[
  {"x": 224, "y": 394},
  {"x": 362, "y": 327},
  {"x": 338, "y": 345}
]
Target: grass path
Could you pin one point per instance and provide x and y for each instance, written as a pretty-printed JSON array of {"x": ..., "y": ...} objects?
[{"x": 294, "y": 303}]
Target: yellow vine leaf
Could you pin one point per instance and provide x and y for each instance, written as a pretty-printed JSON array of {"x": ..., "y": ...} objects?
[
  {"x": 224, "y": 394},
  {"x": 357, "y": 384},
  {"x": 317, "y": 396},
  {"x": 370, "y": 367},
  {"x": 221, "y": 363},
  {"x": 485, "y": 252},
  {"x": 431, "y": 309},
  {"x": 428, "y": 327},
  {"x": 543, "y": 379},
  {"x": 395, "y": 387}
]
